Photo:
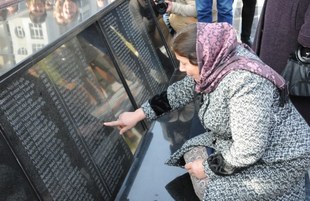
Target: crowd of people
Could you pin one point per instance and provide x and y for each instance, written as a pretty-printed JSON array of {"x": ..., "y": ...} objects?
[
  {"x": 64, "y": 11},
  {"x": 260, "y": 134},
  {"x": 182, "y": 13}
]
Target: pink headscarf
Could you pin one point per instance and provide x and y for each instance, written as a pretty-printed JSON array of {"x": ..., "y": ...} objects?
[{"x": 217, "y": 55}]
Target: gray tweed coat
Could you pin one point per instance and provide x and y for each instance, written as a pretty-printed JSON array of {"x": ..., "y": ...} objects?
[{"x": 271, "y": 144}]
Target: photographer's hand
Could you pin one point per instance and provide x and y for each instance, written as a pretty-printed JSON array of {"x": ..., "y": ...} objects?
[{"x": 169, "y": 8}]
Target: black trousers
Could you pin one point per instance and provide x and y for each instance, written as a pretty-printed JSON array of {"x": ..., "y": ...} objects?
[{"x": 248, "y": 12}]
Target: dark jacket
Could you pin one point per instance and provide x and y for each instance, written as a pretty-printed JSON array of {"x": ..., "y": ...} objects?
[{"x": 283, "y": 25}]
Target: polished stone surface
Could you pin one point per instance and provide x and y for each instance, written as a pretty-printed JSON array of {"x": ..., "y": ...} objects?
[
  {"x": 27, "y": 28},
  {"x": 154, "y": 180},
  {"x": 59, "y": 86}
]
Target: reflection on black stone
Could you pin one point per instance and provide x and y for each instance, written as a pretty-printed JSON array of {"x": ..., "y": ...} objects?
[
  {"x": 99, "y": 60},
  {"x": 66, "y": 12},
  {"x": 103, "y": 3},
  {"x": 181, "y": 125},
  {"x": 181, "y": 189},
  {"x": 85, "y": 101},
  {"x": 44, "y": 134},
  {"x": 13, "y": 183},
  {"x": 134, "y": 52},
  {"x": 38, "y": 23},
  {"x": 143, "y": 12},
  {"x": 53, "y": 115},
  {"x": 177, "y": 126},
  {"x": 37, "y": 11}
]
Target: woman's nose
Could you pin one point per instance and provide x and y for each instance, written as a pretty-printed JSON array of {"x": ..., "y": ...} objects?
[{"x": 181, "y": 68}]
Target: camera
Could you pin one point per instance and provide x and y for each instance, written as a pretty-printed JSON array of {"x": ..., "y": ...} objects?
[{"x": 161, "y": 6}]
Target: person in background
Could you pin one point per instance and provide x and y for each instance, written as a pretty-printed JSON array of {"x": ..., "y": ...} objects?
[
  {"x": 205, "y": 9},
  {"x": 66, "y": 11},
  {"x": 102, "y": 3},
  {"x": 12, "y": 9},
  {"x": 247, "y": 17},
  {"x": 261, "y": 142},
  {"x": 49, "y": 5},
  {"x": 70, "y": 10},
  {"x": 37, "y": 11},
  {"x": 181, "y": 13},
  {"x": 283, "y": 27}
]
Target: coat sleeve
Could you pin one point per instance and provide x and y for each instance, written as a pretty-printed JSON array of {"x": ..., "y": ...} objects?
[
  {"x": 177, "y": 96},
  {"x": 304, "y": 33},
  {"x": 250, "y": 110},
  {"x": 187, "y": 10}
]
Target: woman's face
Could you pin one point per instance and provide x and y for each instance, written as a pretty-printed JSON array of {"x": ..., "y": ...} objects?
[{"x": 190, "y": 69}]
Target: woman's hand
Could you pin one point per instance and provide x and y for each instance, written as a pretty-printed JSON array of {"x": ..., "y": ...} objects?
[
  {"x": 127, "y": 120},
  {"x": 196, "y": 169}
]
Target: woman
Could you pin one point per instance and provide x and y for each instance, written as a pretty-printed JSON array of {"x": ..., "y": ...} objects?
[{"x": 261, "y": 142}]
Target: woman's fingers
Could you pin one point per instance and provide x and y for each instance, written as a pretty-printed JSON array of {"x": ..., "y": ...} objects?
[
  {"x": 123, "y": 130},
  {"x": 113, "y": 123},
  {"x": 196, "y": 169},
  {"x": 188, "y": 167},
  {"x": 119, "y": 125}
]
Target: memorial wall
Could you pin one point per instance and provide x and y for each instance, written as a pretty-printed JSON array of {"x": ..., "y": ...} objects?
[{"x": 61, "y": 78}]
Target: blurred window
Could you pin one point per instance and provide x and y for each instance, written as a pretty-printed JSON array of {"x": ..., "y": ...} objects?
[
  {"x": 37, "y": 47},
  {"x": 22, "y": 51},
  {"x": 19, "y": 31},
  {"x": 36, "y": 31}
]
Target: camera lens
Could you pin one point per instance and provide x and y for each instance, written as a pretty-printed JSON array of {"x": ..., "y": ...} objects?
[{"x": 161, "y": 7}]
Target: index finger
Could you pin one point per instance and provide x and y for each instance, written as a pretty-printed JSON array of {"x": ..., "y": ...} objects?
[{"x": 113, "y": 123}]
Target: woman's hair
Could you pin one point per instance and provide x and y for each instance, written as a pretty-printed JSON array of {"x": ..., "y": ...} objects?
[{"x": 184, "y": 43}]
